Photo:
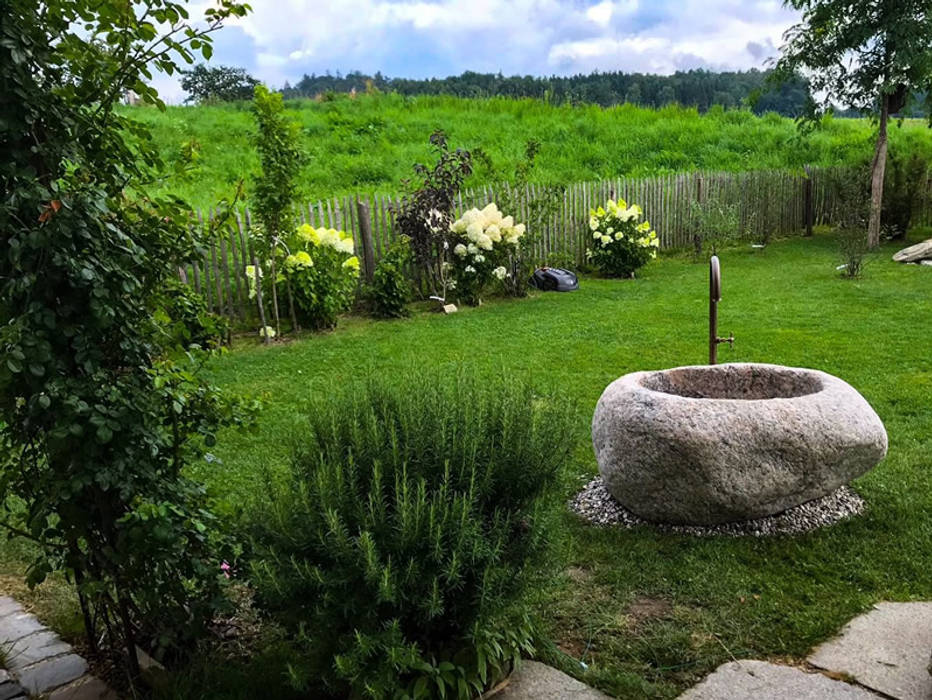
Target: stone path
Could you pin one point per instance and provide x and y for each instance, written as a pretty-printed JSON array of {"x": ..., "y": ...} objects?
[
  {"x": 760, "y": 680},
  {"x": 885, "y": 653},
  {"x": 887, "y": 649},
  {"x": 536, "y": 681},
  {"x": 39, "y": 663}
]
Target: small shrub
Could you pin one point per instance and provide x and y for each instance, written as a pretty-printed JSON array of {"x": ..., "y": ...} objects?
[
  {"x": 562, "y": 260},
  {"x": 424, "y": 215},
  {"x": 390, "y": 290},
  {"x": 403, "y": 553},
  {"x": 620, "y": 245},
  {"x": 853, "y": 248},
  {"x": 484, "y": 245},
  {"x": 716, "y": 224},
  {"x": 905, "y": 183},
  {"x": 321, "y": 271},
  {"x": 182, "y": 314},
  {"x": 851, "y": 219}
]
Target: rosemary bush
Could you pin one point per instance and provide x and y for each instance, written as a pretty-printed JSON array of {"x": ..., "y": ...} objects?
[
  {"x": 390, "y": 290},
  {"x": 416, "y": 526}
]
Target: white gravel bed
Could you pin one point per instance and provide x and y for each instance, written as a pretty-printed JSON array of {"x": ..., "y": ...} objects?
[{"x": 595, "y": 505}]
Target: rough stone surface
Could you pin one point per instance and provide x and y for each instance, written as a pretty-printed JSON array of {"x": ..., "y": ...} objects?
[
  {"x": 34, "y": 648},
  {"x": 10, "y": 690},
  {"x": 886, "y": 649},
  {"x": 596, "y": 505},
  {"x": 915, "y": 253},
  {"x": 760, "y": 680},
  {"x": 88, "y": 688},
  {"x": 18, "y": 625},
  {"x": 8, "y": 606},
  {"x": 52, "y": 673},
  {"x": 535, "y": 681},
  {"x": 716, "y": 444}
]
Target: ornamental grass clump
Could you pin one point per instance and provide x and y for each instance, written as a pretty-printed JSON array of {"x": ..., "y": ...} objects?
[
  {"x": 403, "y": 551},
  {"x": 620, "y": 244},
  {"x": 483, "y": 243}
]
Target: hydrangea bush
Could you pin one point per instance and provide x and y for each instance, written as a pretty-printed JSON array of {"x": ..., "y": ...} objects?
[
  {"x": 621, "y": 242},
  {"x": 483, "y": 243},
  {"x": 321, "y": 270}
]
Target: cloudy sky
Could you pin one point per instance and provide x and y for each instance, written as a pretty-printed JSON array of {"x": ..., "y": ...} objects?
[{"x": 283, "y": 39}]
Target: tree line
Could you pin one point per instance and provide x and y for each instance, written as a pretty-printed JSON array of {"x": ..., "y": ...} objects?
[{"x": 694, "y": 88}]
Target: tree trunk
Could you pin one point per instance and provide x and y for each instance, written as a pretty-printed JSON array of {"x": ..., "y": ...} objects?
[{"x": 878, "y": 166}]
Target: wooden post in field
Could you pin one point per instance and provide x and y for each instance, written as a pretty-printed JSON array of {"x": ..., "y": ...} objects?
[
  {"x": 365, "y": 234},
  {"x": 808, "y": 204}
]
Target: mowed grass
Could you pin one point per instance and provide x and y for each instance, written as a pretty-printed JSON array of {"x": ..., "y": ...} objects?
[
  {"x": 370, "y": 143},
  {"x": 650, "y": 613}
]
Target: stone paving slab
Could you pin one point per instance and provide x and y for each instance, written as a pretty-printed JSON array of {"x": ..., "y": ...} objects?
[
  {"x": 89, "y": 688},
  {"x": 52, "y": 673},
  {"x": 536, "y": 681},
  {"x": 40, "y": 663},
  {"x": 886, "y": 649},
  {"x": 34, "y": 648},
  {"x": 761, "y": 680},
  {"x": 9, "y": 688}
]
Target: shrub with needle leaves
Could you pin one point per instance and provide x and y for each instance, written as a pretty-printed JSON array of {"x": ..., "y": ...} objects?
[{"x": 403, "y": 552}]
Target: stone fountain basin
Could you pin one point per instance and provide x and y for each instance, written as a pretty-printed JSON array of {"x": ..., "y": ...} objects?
[{"x": 713, "y": 444}]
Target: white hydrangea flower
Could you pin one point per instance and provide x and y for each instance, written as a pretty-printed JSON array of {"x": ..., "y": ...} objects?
[
  {"x": 500, "y": 272},
  {"x": 469, "y": 268},
  {"x": 474, "y": 230},
  {"x": 460, "y": 250},
  {"x": 491, "y": 214},
  {"x": 606, "y": 240},
  {"x": 494, "y": 232},
  {"x": 472, "y": 249},
  {"x": 479, "y": 258},
  {"x": 596, "y": 234},
  {"x": 484, "y": 242},
  {"x": 593, "y": 223}
]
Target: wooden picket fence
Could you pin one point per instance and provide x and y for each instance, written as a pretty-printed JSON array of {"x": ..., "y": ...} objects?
[{"x": 774, "y": 203}]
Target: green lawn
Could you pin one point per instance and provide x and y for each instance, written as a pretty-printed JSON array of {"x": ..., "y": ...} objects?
[
  {"x": 696, "y": 603},
  {"x": 369, "y": 144},
  {"x": 651, "y": 613}
]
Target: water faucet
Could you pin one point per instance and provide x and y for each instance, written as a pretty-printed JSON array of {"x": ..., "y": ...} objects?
[{"x": 715, "y": 296}]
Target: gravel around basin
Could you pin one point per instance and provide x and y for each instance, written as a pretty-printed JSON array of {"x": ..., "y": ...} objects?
[{"x": 597, "y": 506}]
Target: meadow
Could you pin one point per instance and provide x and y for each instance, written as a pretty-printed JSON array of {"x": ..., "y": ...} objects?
[{"x": 368, "y": 144}]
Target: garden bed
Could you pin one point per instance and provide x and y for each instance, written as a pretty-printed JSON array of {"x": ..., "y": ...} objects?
[{"x": 719, "y": 598}]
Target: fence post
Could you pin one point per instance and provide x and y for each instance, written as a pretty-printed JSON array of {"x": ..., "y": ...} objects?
[
  {"x": 808, "y": 203},
  {"x": 365, "y": 233}
]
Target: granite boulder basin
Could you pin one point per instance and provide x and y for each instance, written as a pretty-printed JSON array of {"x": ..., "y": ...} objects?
[{"x": 714, "y": 444}]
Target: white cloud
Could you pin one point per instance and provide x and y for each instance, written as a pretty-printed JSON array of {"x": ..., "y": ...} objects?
[
  {"x": 282, "y": 39},
  {"x": 722, "y": 35},
  {"x": 601, "y": 13}
]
